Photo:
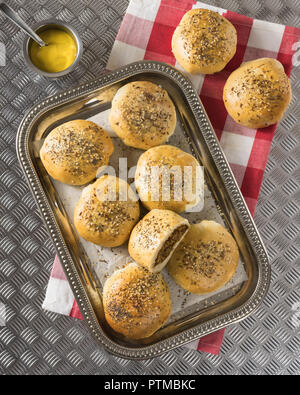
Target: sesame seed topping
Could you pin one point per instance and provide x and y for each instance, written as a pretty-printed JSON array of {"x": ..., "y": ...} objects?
[
  {"x": 135, "y": 297},
  {"x": 204, "y": 257},
  {"x": 147, "y": 112},
  {"x": 76, "y": 150},
  {"x": 207, "y": 39}
]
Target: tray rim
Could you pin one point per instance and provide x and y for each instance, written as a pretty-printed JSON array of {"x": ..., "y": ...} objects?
[{"x": 188, "y": 335}]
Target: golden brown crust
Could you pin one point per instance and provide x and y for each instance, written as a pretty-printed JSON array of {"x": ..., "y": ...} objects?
[
  {"x": 258, "y": 93},
  {"x": 204, "y": 42},
  {"x": 136, "y": 302},
  {"x": 73, "y": 152},
  {"x": 165, "y": 158},
  {"x": 206, "y": 259},
  {"x": 152, "y": 234},
  {"x": 103, "y": 221},
  {"x": 143, "y": 115}
]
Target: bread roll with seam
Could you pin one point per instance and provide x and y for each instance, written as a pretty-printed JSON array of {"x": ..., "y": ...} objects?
[
  {"x": 204, "y": 42},
  {"x": 143, "y": 115},
  {"x": 107, "y": 212},
  {"x": 206, "y": 259},
  {"x": 258, "y": 93},
  {"x": 180, "y": 183},
  {"x": 73, "y": 152},
  {"x": 155, "y": 237},
  {"x": 137, "y": 303}
]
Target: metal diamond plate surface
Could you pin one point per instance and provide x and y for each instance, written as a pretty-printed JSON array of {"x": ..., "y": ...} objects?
[{"x": 38, "y": 342}]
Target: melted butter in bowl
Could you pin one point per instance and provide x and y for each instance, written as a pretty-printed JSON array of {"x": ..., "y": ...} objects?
[
  {"x": 62, "y": 53},
  {"x": 58, "y": 55}
]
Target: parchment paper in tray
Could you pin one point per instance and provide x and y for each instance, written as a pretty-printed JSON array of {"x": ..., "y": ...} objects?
[{"x": 105, "y": 261}]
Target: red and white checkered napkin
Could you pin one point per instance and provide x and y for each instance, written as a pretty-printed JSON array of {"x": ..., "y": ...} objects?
[{"x": 146, "y": 34}]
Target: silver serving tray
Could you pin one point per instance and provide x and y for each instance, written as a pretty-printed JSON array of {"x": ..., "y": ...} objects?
[{"x": 89, "y": 99}]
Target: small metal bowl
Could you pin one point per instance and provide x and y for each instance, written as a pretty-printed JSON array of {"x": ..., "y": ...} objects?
[{"x": 46, "y": 25}]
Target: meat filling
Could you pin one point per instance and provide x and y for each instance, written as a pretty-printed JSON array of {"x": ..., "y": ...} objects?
[{"x": 169, "y": 244}]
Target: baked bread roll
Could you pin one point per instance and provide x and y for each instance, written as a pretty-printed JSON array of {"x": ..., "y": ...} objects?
[
  {"x": 258, "y": 93},
  {"x": 106, "y": 212},
  {"x": 73, "y": 152},
  {"x": 155, "y": 237},
  {"x": 143, "y": 115},
  {"x": 136, "y": 302},
  {"x": 206, "y": 259},
  {"x": 204, "y": 42},
  {"x": 168, "y": 178}
]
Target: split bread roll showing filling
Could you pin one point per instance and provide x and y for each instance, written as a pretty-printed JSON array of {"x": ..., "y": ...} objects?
[
  {"x": 106, "y": 212},
  {"x": 155, "y": 237},
  {"x": 73, "y": 152},
  {"x": 137, "y": 303},
  {"x": 169, "y": 178},
  {"x": 143, "y": 115},
  {"x": 206, "y": 259},
  {"x": 258, "y": 93},
  {"x": 204, "y": 42}
]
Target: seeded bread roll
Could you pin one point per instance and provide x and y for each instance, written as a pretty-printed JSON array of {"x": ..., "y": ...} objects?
[
  {"x": 143, "y": 115},
  {"x": 106, "y": 212},
  {"x": 155, "y": 237},
  {"x": 204, "y": 42},
  {"x": 258, "y": 93},
  {"x": 73, "y": 152},
  {"x": 137, "y": 303},
  {"x": 206, "y": 259},
  {"x": 169, "y": 178}
]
